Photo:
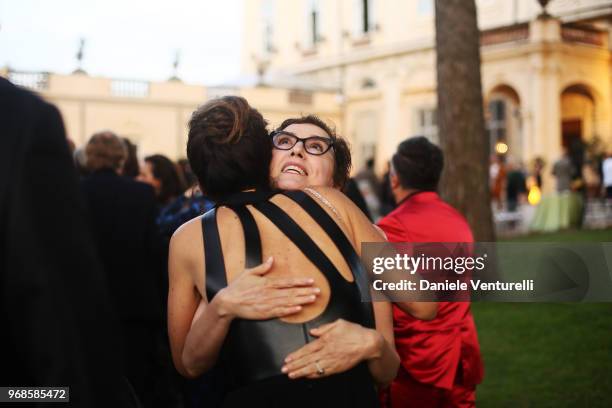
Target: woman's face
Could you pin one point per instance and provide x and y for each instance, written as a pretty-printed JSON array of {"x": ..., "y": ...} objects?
[
  {"x": 146, "y": 176},
  {"x": 295, "y": 169}
]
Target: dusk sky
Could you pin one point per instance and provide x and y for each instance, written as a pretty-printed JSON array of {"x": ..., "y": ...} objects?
[{"x": 133, "y": 39}]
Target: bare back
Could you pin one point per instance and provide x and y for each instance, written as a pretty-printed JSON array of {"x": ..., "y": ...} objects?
[{"x": 289, "y": 261}]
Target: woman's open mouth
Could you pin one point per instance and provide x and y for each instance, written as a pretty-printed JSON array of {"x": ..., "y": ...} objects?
[{"x": 294, "y": 169}]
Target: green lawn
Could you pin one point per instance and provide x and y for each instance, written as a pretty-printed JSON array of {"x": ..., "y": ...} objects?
[{"x": 547, "y": 355}]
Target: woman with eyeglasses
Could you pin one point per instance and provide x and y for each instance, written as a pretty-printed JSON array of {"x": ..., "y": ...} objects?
[
  {"x": 252, "y": 324},
  {"x": 307, "y": 152}
]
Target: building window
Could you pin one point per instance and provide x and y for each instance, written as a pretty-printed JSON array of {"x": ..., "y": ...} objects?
[
  {"x": 427, "y": 124},
  {"x": 313, "y": 23},
  {"x": 496, "y": 122},
  {"x": 425, "y": 7},
  {"x": 267, "y": 20},
  {"x": 364, "y": 17}
]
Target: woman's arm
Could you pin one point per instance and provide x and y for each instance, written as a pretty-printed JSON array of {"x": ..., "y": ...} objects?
[
  {"x": 183, "y": 300},
  {"x": 385, "y": 361}
]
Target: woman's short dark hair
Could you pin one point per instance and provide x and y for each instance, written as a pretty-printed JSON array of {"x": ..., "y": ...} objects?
[
  {"x": 165, "y": 171},
  {"x": 228, "y": 147},
  {"x": 418, "y": 163},
  {"x": 341, "y": 149}
]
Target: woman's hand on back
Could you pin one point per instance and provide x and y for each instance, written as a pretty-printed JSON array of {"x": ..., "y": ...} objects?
[
  {"x": 339, "y": 346},
  {"x": 253, "y": 295}
]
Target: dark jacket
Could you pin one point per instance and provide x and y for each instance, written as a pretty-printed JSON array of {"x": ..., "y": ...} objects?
[
  {"x": 56, "y": 319},
  {"x": 122, "y": 214}
]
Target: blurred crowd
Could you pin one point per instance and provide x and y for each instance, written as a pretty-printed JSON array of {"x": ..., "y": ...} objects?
[
  {"x": 134, "y": 207},
  {"x": 586, "y": 174}
]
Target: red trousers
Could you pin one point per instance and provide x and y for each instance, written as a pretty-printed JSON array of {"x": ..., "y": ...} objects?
[{"x": 406, "y": 392}]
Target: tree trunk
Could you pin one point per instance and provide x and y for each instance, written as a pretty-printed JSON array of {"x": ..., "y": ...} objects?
[{"x": 465, "y": 179}]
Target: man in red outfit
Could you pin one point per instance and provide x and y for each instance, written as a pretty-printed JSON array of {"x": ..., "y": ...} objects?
[{"x": 441, "y": 363}]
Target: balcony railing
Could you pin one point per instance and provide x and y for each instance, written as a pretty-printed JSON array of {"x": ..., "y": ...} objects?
[
  {"x": 129, "y": 88},
  {"x": 36, "y": 81}
]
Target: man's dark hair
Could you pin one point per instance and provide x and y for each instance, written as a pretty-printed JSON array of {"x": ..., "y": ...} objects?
[
  {"x": 418, "y": 163},
  {"x": 164, "y": 170},
  {"x": 342, "y": 151},
  {"x": 228, "y": 147}
]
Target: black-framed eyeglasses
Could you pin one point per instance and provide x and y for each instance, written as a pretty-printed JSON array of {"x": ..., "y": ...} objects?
[{"x": 315, "y": 145}]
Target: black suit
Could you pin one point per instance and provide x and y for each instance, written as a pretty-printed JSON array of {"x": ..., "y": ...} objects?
[
  {"x": 55, "y": 314},
  {"x": 123, "y": 213}
]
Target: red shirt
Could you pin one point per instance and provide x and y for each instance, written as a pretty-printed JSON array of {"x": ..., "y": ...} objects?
[{"x": 430, "y": 351}]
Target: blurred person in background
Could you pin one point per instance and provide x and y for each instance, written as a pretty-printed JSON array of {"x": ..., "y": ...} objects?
[
  {"x": 606, "y": 167},
  {"x": 352, "y": 191},
  {"x": 516, "y": 184},
  {"x": 592, "y": 180},
  {"x": 538, "y": 168},
  {"x": 563, "y": 170},
  {"x": 122, "y": 217},
  {"x": 370, "y": 187},
  {"x": 131, "y": 166},
  {"x": 497, "y": 180},
  {"x": 80, "y": 161},
  {"x": 162, "y": 174},
  {"x": 187, "y": 173},
  {"x": 188, "y": 205},
  {"x": 58, "y": 325},
  {"x": 440, "y": 359},
  {"x": 387, "y": 201}
]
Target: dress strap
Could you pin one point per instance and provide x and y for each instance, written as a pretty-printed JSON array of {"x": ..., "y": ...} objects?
[
  {"x": 252, "y": 239},
  {"x": 335, "y": 233},
  {"x": 297, "y": 235},
  {"x": 213, "y": 255}
]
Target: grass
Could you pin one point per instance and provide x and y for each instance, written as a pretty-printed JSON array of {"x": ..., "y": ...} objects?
[{"x": 547, "y": 355}]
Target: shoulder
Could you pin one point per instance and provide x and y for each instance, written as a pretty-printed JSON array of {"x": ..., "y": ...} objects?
[
  {"x": 393, "y": 226},
  {"x": 24, "y": 115},
  {"x": 336, "y": 203},
  {"x": 186, "y": 242},
  {"x": 18, "y": 102},
  {"x": 17, "y": 97},
  {"x": 358, "y": 225},
  {"x": 187, "y": 232},
  {"x": 334, "y": 198}
]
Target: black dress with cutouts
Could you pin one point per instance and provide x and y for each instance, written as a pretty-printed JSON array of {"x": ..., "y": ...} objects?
[{"x": 253, "y": 352}]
